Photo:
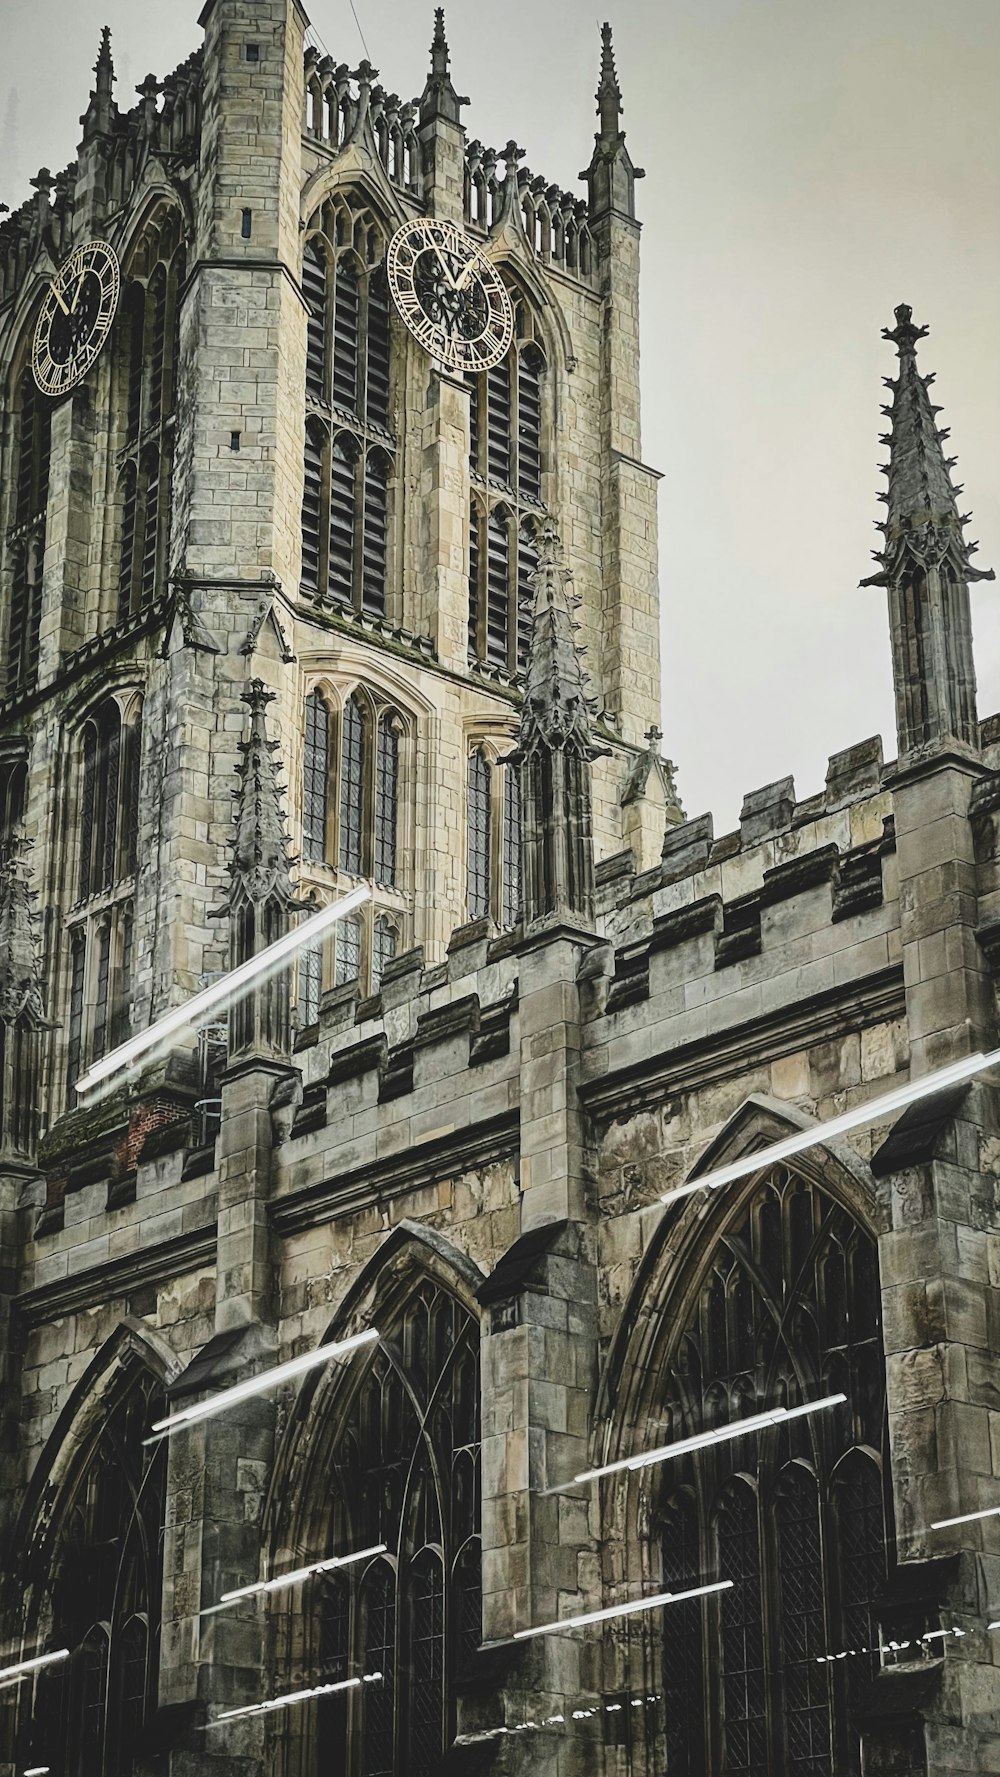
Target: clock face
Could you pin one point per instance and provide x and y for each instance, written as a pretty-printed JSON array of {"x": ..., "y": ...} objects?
[
  {"x": 450, "y": 295},
  {"x": 75, "y": 318}
]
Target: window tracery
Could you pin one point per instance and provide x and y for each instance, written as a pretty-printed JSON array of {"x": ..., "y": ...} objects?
[
  {"x": 402, "y": 1468},
  {"x": 102, "y": 920},
  {"x": 789, "y": 1310},
  {"x": 147, "y": 363},
  {"x": 105, "y": 1587},
  {"x": 26, "y": 536},
  {"x": 354, "y": 812},
  {"x": 349, "y": 446},
  {"x": 493, "y": 839},
  {"x": 506, "y": 453}
]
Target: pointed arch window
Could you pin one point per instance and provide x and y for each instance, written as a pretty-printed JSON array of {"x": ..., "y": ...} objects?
[
  {"x": 478, "y": 892},
  {"x": 400, "y": 1467},
  {"x": 795, "y": 1517},
  {"x": 349, "y": 447},
  {"x": 101, "y": 925},
  {"x": 506, "y": 433},
  {"x": 493, "y": 839},
  {"x": 147, "y": 364},
  {"x": 26, "y": 537},
  {"x": 105, "y": 1580},
  {"x": 354, "y": 806}
]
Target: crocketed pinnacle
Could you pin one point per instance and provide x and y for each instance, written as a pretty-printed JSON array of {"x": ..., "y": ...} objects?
[
  {"x": 20, "y": 971},
  {"x": 439, "y": 98},
  {"x": 555, "y": 715},
  {"x": 259, "y": 870},
  {"x": 104, "y": 66},
  {"x": 98, "y": 117},
  {"x": 923, "y": 526},
  {"x": 609, "y": 93}
]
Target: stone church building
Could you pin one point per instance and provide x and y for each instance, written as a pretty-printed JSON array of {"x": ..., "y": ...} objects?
[{"x": 287, "y": 606}]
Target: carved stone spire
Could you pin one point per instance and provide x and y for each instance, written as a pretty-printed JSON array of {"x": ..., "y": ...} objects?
[
  {"x": 259, "y": 871},
  {"x": 611, "y": 175},
  {"x": 260, "y": 897},
  {"x": 926, "y": 562},
  {"x": 439, "y": 98},
  {"x": 555, "y": 748},
  {"x": 21, "y": 1005},
  {"x": 99, "y": 115}
]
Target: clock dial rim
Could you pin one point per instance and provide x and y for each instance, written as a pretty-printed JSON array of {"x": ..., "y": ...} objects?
[
  {"x": 410, "y": 243},
  {"x": 95, "y": 258}
]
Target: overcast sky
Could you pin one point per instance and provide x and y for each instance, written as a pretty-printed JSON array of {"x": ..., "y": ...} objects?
[{"x": 809, "y": 166}]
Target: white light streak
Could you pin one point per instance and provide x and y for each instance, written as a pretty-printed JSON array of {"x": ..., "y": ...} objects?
[
  {"x": 285, "y": 1702},
  {"x": 737, "y": 1428},
  {"x": 227, "y": 987},
  {"x": 38, "y": 1771},
  {"x": 620, "y": 1610},
  {"x": 856, "y": 1118},
  {"x": 301, "y": 1573},
  {"x": 966, "y": 1518},
  {"x": 33, "y": 1664},
  {"x": 241, "y": 1391}
]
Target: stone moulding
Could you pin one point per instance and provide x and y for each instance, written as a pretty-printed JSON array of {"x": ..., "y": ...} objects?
[
  {"x": 117, "y": 1277},
  {"x": 840, "y": 1011},
  {"x": 423, "y": 1163}
]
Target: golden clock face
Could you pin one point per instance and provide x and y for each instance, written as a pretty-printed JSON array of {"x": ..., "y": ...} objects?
[
  {"x": 75, "y": 318},
  {"x": 450, "y": 295}
]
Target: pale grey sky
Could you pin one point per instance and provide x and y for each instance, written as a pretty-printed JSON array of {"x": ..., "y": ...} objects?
[{"x": 808, "y": 167}]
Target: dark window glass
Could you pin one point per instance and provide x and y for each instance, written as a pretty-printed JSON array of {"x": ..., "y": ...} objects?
[
  {"x": 88, "y": 809},
  {"x": 510, "y": 887},
  {"x": 150, "y": 527},
  {"x": 803, "y": 1633},
  {"x": 310, "y": 983},
  {"x": 343, "y": 502},
  {"x": 102, "y": 989},
  {"x": 469, "y": 1601},
  {"x": 352, "y": 752},
  {"x": 126, "y": 567},
  {"x": 315, "y": 775},
  {"x": 348, "y": 950},
  {"x": 479, "y": 836},
  {"x": 744, "y": 1697},
  {"x": 426, "y": 1665},
  {"x": 861, "y": 1547},
  {"x": 136, "y": 324},
  {"x": 124, "y": 995},
  {"x": 314, "y": 289},
  {"x": 386, "y": 795},
  {"x": 346, "y": 330},
  {"x": 375, "y": 538},
  {"x": 498, "y": 590},
  {"x": 132, "y": 1656},
  {"x": 13, "y": 791},
  {"x": 157, "y": 344},
  {"x": 25, "y": 617},
  {"x": 474, "y": 593},
  {"x": 77, "y": 975},
  {"x": 131, "y": 760},
  {"x": 683, "y": 1658},
  {"x": 378, "y": 1609},
  {"x": 383, "y": 950},
  {"x": 89, "y": 1707}
]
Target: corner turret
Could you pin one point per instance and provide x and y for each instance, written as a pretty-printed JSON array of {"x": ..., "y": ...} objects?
[{"x": 611, "y": 175}]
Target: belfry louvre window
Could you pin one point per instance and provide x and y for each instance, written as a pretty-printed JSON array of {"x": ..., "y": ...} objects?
[
  {"x": 355, "y": 812},
  {"x": 506, "y": 448},
  {"x": 101, "y": 927},
  {"x": 146, "y": 381},
  {"x": 349, "y": 448},
  {"x": 26, "y": 536},
  {"x": 104, "y": 1583},
  {"x": 493, "y": 838},
  {"x": 399, "y": 1466},
  {"x": 788, "y": 1310}
]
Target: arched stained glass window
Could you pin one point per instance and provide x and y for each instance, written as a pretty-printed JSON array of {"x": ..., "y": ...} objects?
[
  {"x": 510, "y": 886},
  {"x": 315, "y": 775},
  {"x": 478, "y": 868},
  {"x": 787, "y": 1309},
  {"x": 401, "y": 1468},
  {"x": 352, "y": 776}
]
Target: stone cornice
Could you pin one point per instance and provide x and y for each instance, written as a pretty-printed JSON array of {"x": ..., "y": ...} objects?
[
  {"x": 840, "y": 1010},
  {"x": 422, "y": 1163},
  {"x": 116, "y": 1277}
]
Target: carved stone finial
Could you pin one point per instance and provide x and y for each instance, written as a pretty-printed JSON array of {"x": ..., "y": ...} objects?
[
  {"x": 611, "y": 175},
  {"x": 925, "y": 563},
  {"x": 609, "y": 93},
  {"x": 104, "y": 66},
  {"x": 440, "y": 56},
  {"x": 98, "y": 117},
  {"x": 439, "y": 98}
]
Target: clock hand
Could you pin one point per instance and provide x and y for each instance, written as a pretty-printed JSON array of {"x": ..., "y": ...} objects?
[
  {"x": 463, "y": 277},
  {"x": 444, "y": 265},
  {"x": 56, "y": 293},
  {"x": 81, "y": 281}
]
